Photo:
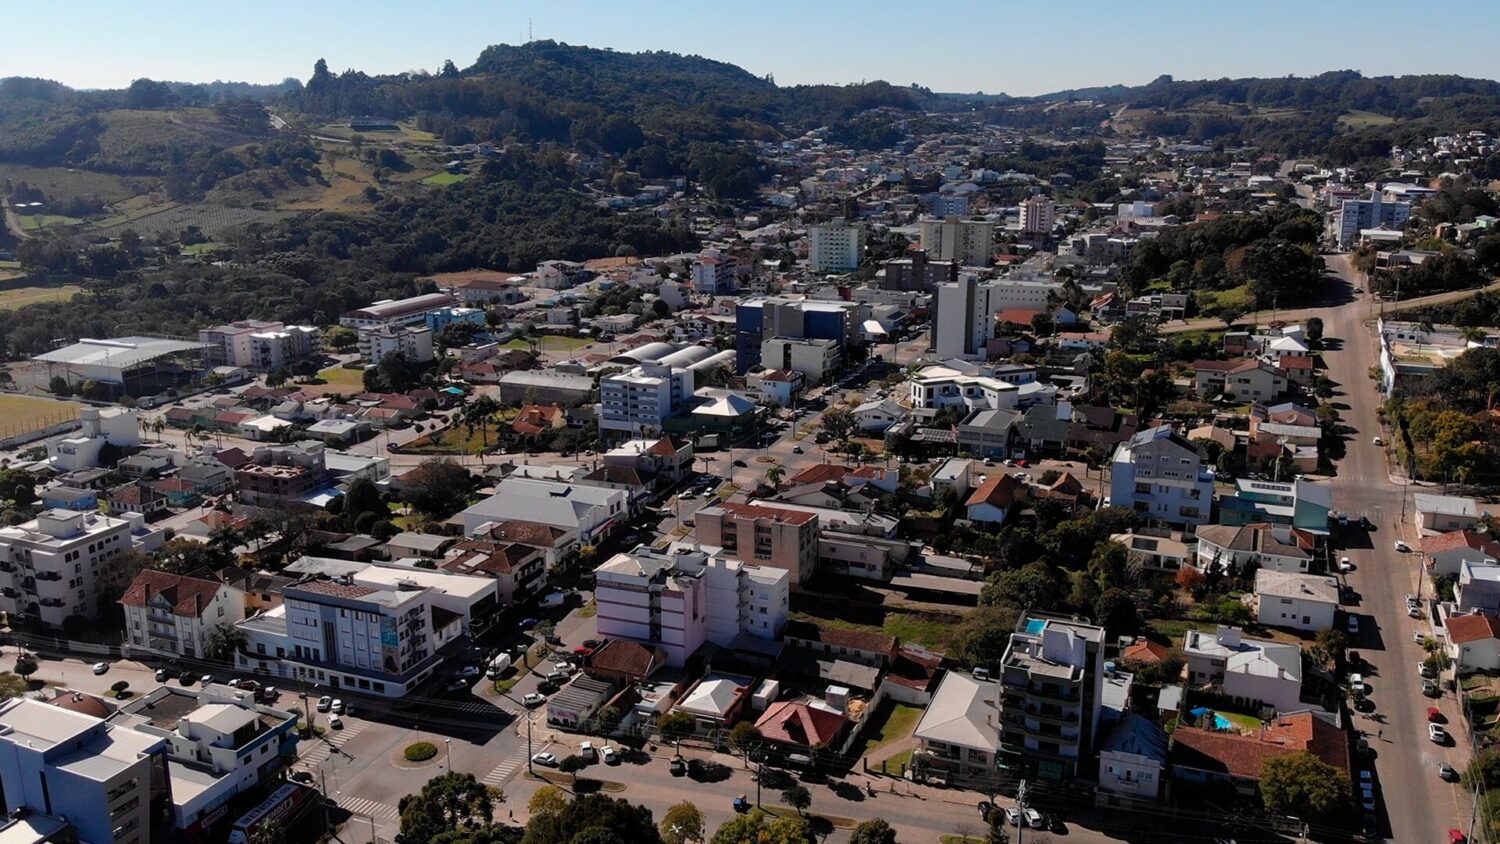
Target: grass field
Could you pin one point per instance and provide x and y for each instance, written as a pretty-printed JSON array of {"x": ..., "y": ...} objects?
[
  {"x": 407, "y": 132},
  {"x": 341, "y": 380},
  {"x": 442, "y": 179},
  {"x": 1363, "y": 119},
  {"x": 20, "y": 414},
  {"x": 38, "y": 222},
  {"x": 18, "y": 296},
  {"x": 552, "y": 343},
  {"x": 1238, "y": 297},
  {"x": 64, "y": 183},
  {"x": 927, "y": 630},
  {"x": 899, "y": 721},
  {"x": 203, "y": 248}
]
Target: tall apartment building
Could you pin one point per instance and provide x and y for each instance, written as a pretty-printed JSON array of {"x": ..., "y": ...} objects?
[
  {"x": 916, "y": 272},
  {"x": 60, "y": 563},
  {"x": 763, "y": 534},
  {"x": 1163, "y": 477},
  {"x": 175, "y": 614},
  {"x": 757, "y": 320},
  {"x": 343, "y": 635},
  {"x": 1356, "y": 214},
  {"x": 964, "y": 318},
  {"x": 643, "y": 397},
  {"x": 679, "y": 600},
  {"x": 396, "y": 312},
  {"x": 1038, "y": 215},
  {"x": 816, "y": 360},
  {"x": 256, "y": 344},
  {"x": 414, "y": 341},
  {"x": 1051, "y": 683},
  {"x": 713, "y": 272},
  {"x": 970, "y": 243},
  {"x": 835, "y": 247},
  {"x": 109, "y": 783}
]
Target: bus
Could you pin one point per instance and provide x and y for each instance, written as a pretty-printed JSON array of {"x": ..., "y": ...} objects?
[{"x": 282, "y": 804}]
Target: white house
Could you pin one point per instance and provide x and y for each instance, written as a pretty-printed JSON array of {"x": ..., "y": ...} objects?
[
  {"x": 878, "y": 415},
  {"x": 176, "y": 614},
  {"x": 1478, "y": 588},
  {"x": 1278, "y": 548},
  {"x": 1133, "y": 758},
  {"x": 1249, "y": 670},
  {"x": 1474, "y": 642},
  {"x": 1445, "y": 512},
  {"x": 1447, "y": 552},
  {"x": 995, "y": 499},
  {"x": 1295, "y": 601}
]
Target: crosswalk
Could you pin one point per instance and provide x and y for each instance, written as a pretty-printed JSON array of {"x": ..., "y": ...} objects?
[
  {"x": 510, "y": 765},
  {"x": 318, "y": 750},
  {"x": 371, "y": 808}
]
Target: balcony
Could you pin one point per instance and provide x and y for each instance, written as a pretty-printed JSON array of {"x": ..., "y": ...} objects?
[
  {"x": 1039, "y": 714},
  {"x": 1058, "y": 693}
]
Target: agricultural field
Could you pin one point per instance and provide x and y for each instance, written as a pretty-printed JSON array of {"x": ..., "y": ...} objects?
[
  {"x": 444, "y": 179},
  {"x": 406, "y": 133},
  {"x": 1364, "y": 119},
  {"x": 42, "y": 222},
  {"x": 172, "y": 218},
  {"x": 21, "y": 414},
  {"x": 64, "y": 183},
  {"x": 15, "y": 297}
]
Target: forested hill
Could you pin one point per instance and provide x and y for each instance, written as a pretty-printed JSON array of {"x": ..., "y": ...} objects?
[
  {"x": 551, "y": 91},
  {"x": 1395, "y": 96}
]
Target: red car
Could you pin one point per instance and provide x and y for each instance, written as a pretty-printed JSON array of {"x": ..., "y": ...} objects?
[
  {"x": 1456, "y": 836},
  {"x": 1435, "y": 715}
]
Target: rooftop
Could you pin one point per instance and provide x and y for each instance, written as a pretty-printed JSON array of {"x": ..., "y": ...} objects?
[
  {"x": 120, "y": 352},
  {"x": 963, "y": 712}
]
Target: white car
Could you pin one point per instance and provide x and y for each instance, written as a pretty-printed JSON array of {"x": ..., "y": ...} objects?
[
  {"x": 1377, "y": 441},
  {"x": 1402, "y": 547},
  {"x": 1353, "y": 625},
  {"x": 335, "y": 722},
  {"x": 1419, "y": 637},
  {"x": 609, "y": 755},
  {"x": 1035, "y": 820},
  {"x": 545, "y": 759},
  {"x": 553, "y": 599},
  {"x": 1437, "y": 734},
  {"x": 1345, "y": 565},
  {"x": 586, "y": 750},
  {"x": 101, "y": 667},
  {"x": 532, "y": 699},
  {"x": 1013, "y": 815},
  {"x": 1357, "y": 684},
  {"x": 325, "y": 703},
  {"x": 338, "y": 706}
]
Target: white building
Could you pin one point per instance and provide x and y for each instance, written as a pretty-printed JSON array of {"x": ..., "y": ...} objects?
[
  {"x": 1162, "y": 477},
  {"x": 643, "y": 397},
  {"x": 98, "y": 777},
  {"x": 713, "y": 272},
  {"x": 396, "y": 312},
  {"x": 257, "y": 344},
  {"x": 414, "y": 341},
  {"x": 1022, "y": 293},
  {"x": 959, "y": 733},
  {"x": 938, "y": 387},
  {"x": 1295, "y": 601},
  {"x": 60, "y": 563},
  {"x": 1037, "y": 215},
  {"x": 1356, "y": 214},
  {"x": 118, "y": 426},
  {"x": 964, "y": 318},
  {"x": 176, "y": 614},
  {"x": 341, "y": 635},
  {"x": 1252, "y": 671},
  {"x": 776, "y": 387},
  {"x": 835, "y": 247},
  {"x": 1133, "y": 758},
  {"x": 815, "y": 359},
  {"x": 678, "y": 600},
  {"x": 1278, "y": 548},
  {"x": 584, "y": 513},
  {"x": 969, "y": 242}
]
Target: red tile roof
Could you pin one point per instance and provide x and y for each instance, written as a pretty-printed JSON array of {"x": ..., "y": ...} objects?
[
  {"x": 998, "y": 490},
  {"x": 189, "y": 596},
  {"x": 628, "y": 658},
  {"x": 335, "y": 589},
  {"x": 1454, "y": 540},
  {"x": 762, "y": 511},
  {"x": 1245, "y": 756},
  {"x": 1019, "y": 316},
  {"x": 795, "y": 722},
  {"x": 819, "y": 473},
  {"x": 487, "y": 556},
  {"x": 1145, "y": 652},
  {"x": 1472, "y": 628}
]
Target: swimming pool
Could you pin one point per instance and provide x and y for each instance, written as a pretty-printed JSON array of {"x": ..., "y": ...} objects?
[
  {"x": 1220, "y": 722},
  {"x": 1035, "y": 625}
]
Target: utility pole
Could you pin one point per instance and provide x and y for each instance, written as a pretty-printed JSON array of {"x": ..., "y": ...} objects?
[
  {"x": 529, "y": 768},
  {"x": 1021, "y": 807}
]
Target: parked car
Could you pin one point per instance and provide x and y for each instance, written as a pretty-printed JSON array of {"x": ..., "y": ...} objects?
[
  {"x": 304, "y": 777},
  {"x": 1456, "y": 836},
  {"x": 467, "y": 671},
  {"x": 1426, "y": 670},
  {"x": 545, "y": 759},
  {"x": 325, "y": 703},
  {"x": 1437, "y": 734},
  {"x": 1430, "y": 688},
  {"x": 205, "y": 679},
  {"x": 1013, "y": 815},
  {"x": 457, "y": 684},
  {"x": 1446, "y": 771},
  {"x": 187, "y": 678},
  {"x": 1345, "y": 565},
  {"x": 609, "y": 755},
  {"x": 338, "y": 706},
  {"x": 335, "y": 722},
  {"x": 532, "y": 699},
  {"x": 527, "y": 623},
  {"x": 557, "y": 677},
  {"x": 1357, "y": 684},
  {"x": 796, "y": 449},
  {"x": 1419, "y": 637},
  {"x": 1377, "y": 441},
  {"x": 1035, "y": 820},
  {"x": 586, "y": 750},
  {"x": 553, "y": 599},
  {"x": 678, "y": 767},
  {"x": 101, "y": 667},
  {"x": 269, "y": 693},
  {"x": 162, "y": 674},
  {"x": 1353, "y": 624},
  {"x": 1402, "y": 547}
]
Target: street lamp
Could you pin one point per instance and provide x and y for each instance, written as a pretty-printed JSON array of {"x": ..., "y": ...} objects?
[{"x": 447, "y": 753}]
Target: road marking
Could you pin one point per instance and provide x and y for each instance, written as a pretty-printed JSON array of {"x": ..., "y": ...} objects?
[
  {"x": 512, "y": 763},
  {"x": 323, "y": 747},
  {"x": 372, "y": 808}
]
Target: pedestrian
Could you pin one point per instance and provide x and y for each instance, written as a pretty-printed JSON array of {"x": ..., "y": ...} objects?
[{"x": 1380, "y": 733}]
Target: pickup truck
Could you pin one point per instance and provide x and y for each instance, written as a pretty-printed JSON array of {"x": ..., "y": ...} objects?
[{"x": 741, "y": 805}]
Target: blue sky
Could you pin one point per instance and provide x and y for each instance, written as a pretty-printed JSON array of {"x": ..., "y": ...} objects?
[{"x": 1020, "y": 48}]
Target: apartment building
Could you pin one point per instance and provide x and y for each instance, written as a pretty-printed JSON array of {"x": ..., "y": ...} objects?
[
  {"x": 220, "y": 744},
  {"x": 1163, "y": 477},
  {"x": 815, "y": 359},
  {"x": 519, "y": 570},
  {"x": 678, "y": 600},
  {"x": 109, "y": 783},
  {"x": 1051, "y": 689},
  {"x": 938, "y": 387},
  {"x": 413, "y": 341},
  {"x": 970, "y": 243},
  {"x": 763, "y": 534},
  {"x": 835, "y": 247},
  {"x": 713, "y": 272},
  {"x": 61, "y": 563},
  {"x": 964, "y": 318},
  {"x": 917, "y": 273},
  {"x": 343, "y": 635},
  {"x": 1355, "y": 215},
  {"x": 280, "y": 476},
  {"x": 643, "y": 398},
  {"x": 1038, "y": 215},
  {"x": 257, "y": 344},
  {"x": 760, "y": 319},
  {"x": 175, "y": 614}
]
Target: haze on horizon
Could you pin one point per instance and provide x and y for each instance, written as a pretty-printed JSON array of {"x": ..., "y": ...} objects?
[{"x": 965, "y": 46}]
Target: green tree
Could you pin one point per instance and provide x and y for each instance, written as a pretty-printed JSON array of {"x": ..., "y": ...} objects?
[
  {"x": 224, "y": 640},
  {"x": 549, "y": 799},
  {"x": 26, "y": 665},
  {"x": 873, "y": 831},
  {"x": 797, "y": 796},
  {"x": 362, "y": 497},
  {"x": 675, "y": 726},
  {"x": 341, "y": 337},
  {"x": 270, "y": 832},
  {"x": 594, "y": 818},
  {"x": 744, "y": 736},
  {"x": 681, "y": 824},
  {"x": 1483, "y": 770},
  {"x": 450, "y": 801},
  {"x": 11, "y": 686},
  {"x": 755, "y": 829},
  {"x": 1034, "y": 586},
  {"x": 838, "y": 423},
  {"x": 984, "y": 634},
  {"x": 1302, "y": 785},
  {"x": 1118, "y": 612},
  {"x": 438, "y": 488}
]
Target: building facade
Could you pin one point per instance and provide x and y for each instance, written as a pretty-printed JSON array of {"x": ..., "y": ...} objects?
[
  {"x": 762, "y": 534},
  {"x": 970, "y": 243},
  {"x": 1051, "y": 685},
  {"x": 176, "y": 614},
  {"x": 835, "y": 247},
  {"x": 1162, "y": 477}
]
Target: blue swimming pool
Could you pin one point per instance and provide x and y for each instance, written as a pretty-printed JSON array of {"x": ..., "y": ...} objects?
[
  {"x": 1035, "y": 625},
  {"x": 1220, "y": 722}
]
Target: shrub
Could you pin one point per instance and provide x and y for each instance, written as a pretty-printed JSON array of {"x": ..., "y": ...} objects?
[
  {"x": 420, "y": 751},
  {"x": 572, "y": 764}
]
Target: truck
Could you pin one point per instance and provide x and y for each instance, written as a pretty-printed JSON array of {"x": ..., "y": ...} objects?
[{"x": 498, "y": 665}]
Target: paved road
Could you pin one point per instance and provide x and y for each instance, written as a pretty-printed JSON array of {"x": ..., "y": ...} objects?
[
  {"x": 1416, "y": 805},
  {"x": 1345, "y": 298}
]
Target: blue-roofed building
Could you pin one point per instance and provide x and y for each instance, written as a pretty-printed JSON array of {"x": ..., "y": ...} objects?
[{"x": 1133, "y": 759}]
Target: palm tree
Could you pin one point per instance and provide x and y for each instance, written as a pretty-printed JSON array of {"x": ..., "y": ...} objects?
[
  {"x": 774, "y": 475},
  {"x": 224, "y": 538},
  {"x": 224, "y": 641}
]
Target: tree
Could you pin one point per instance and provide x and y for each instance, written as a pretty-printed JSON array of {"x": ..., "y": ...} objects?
[
  {"x": 838, "y": 423},
  {"x": 675, "y": 726},
  {"x": 1117, "y": 612},
  {"x": 269, "y": 832},
  {"x": 744, "y": 736},
  {"x": 985, "y": 634},
  {"x": 797, "y": 796},
  {"x": 1483, "y": 770},
  {"x": 1313, "y": 328},
  {"x": 11, "y": 686},
  {"x": 775, "y": 474},
  {"x": 1190, "y": 579},
  {"x": 26, "y": 665},
  {"x": 446, "y": 802},
  {"x": 572, "y": 764},
  {"x": 1228, "y": 314},
  {"x": 873, "y": 831},
  {"x": 341, "y": 337},
  {"x": 362, "y": 497},
  {"x": 1302, "y": 785},
  {"x": 17, "y": 487},
  {"x": 755, "y": 829},
  {"x": 549, "y": 799},
  {"x": 224, "y": 640},
  {"x": 594, "y": 818},
  {"x": 1034, "y": 586},
  {"x": 681, "y": 824},
  {"x": 438, "y": 488}
]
